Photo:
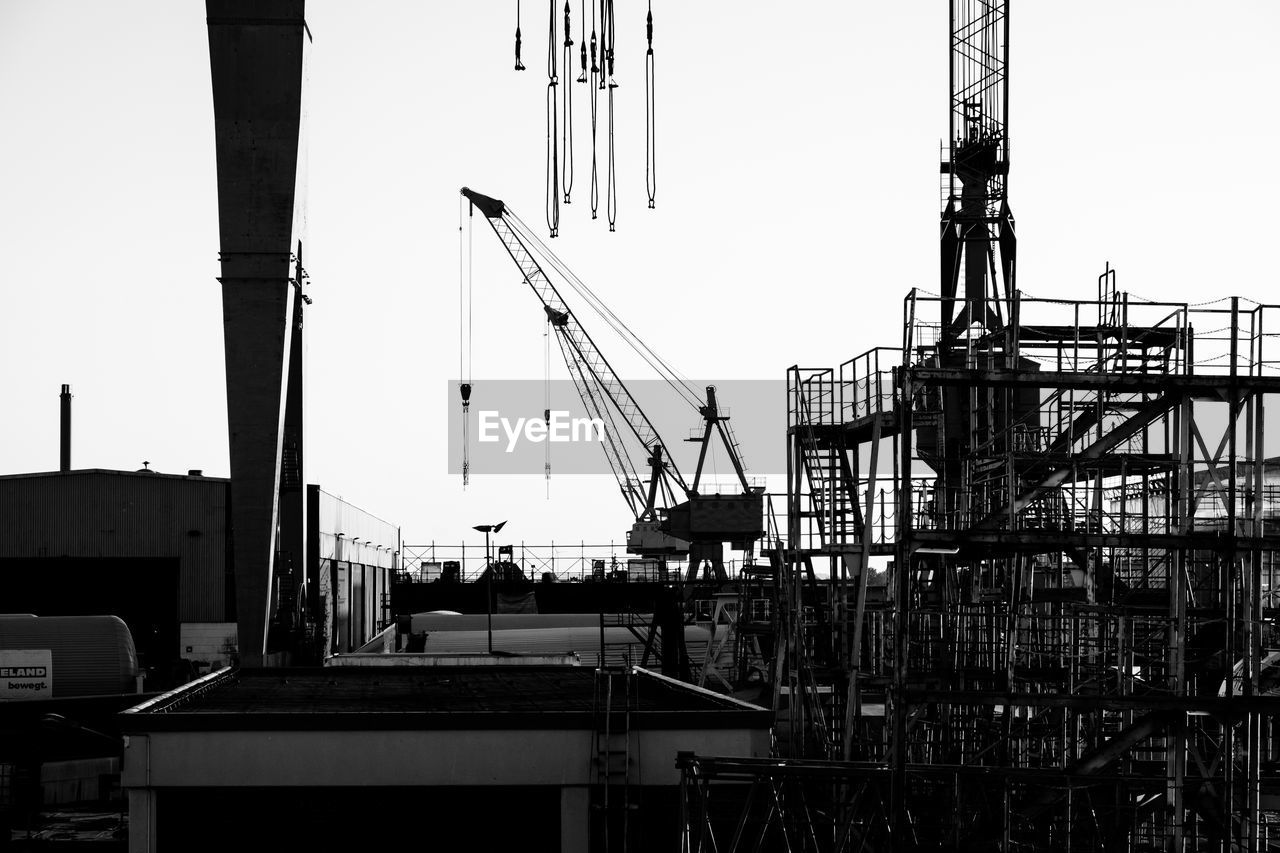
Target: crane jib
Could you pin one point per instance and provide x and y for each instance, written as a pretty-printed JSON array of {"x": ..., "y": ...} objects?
[{"x": 490, "y": 207}]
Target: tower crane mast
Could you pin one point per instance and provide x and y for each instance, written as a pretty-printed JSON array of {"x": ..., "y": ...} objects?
[{"x": 978, "y": 233}]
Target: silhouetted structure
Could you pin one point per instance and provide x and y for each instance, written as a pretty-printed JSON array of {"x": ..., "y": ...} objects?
[{"x": 1076, "y": 648}]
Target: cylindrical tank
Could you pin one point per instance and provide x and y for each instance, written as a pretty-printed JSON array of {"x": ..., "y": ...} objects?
[{"x": 91, "y": 655}]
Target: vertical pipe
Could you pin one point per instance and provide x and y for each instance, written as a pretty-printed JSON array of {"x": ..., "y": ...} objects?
[
  {"x": 64, "y": 434},
  {"x": 789, "y": 606},
  {"x": 902, "y": 591}
]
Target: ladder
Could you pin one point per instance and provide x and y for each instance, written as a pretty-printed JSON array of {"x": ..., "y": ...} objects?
[
  {"x": 611, "y": 755},
  {"x": 832, "y": 484}
]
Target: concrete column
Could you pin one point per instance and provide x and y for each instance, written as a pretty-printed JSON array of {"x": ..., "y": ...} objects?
[
  {"x": 142, "y": 820},
  {"x": 575, "y": 819},
  {"x": 257, "y": 51}
]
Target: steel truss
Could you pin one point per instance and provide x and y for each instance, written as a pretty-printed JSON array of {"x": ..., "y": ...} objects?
[
  {"x": 1077, "y": 645},
  {"x": 1044, "y": 613}
]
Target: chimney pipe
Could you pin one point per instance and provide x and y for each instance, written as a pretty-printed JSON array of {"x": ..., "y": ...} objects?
[{"x": 65, "y": 464}]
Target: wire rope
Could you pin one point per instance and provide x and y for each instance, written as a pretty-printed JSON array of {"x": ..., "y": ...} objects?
[
  {"x": 462, "y": 295},
  {"x": 674, "y": 378},
  {"x": 465, "y": 335},
  {"x": 546, "y": 398}
]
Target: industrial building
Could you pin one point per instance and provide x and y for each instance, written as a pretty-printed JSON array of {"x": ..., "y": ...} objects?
[
  {"x": 457, "y": 757},
  {"x": 155, "y": 550}
]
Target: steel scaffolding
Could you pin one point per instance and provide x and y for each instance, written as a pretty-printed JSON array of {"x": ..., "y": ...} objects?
[
  {"x": 1073, "y": 644},
  {"x": 1028, "y": 596}
]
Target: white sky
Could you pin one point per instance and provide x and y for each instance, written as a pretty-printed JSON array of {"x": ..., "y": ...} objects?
[{"x": 797, "y": 203}]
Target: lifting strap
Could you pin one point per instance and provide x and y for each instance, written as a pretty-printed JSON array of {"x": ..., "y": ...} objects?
[
  {"x": 595, "y": 86},
  {"x": 553, "y": 132},
  {"x": 582, "y": 48},
  {"x": 612, "y": 176},
  {"x": 650, "y": 96},
  {"x": 567, "y": 165}
]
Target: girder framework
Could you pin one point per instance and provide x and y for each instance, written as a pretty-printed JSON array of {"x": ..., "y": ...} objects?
[
  {"x": 1059, "y": 631},
  {"x": 1074, "y": 645}
]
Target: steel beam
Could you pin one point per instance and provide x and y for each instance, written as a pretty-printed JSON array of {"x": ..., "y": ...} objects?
[
  {"x": 1214, "y": 706},
  {"x": 1205, "y": 386},
  {"x": 1044, "y": 541}
]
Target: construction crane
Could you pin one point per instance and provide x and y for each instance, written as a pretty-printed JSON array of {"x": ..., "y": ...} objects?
[{"x": 672, "y": 517}]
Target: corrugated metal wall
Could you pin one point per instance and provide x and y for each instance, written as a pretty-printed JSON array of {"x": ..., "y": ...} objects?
[
  {"x": 351, "y": 534},
  {"x": 124, "y": 514}
]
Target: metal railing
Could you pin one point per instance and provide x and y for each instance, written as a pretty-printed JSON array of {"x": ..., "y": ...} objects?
[
  {"x": 576, "y": 562},
  {"x": 866, "y": 383}
]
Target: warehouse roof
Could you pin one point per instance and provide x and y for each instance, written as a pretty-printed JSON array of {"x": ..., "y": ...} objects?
[
  {"x": 111, "y": 472},
  {"x": 432, "y": 697}
]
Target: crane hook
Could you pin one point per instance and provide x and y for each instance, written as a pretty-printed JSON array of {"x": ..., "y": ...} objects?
[{"x": 519, "y": 64}]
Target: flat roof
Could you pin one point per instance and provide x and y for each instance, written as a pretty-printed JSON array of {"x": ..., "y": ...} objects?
[
  {"x": 108, "y": 472},
  {"x": 456, "y": 697}
]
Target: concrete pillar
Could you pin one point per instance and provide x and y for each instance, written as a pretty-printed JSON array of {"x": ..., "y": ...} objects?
[
  {"x": 575, "y": 819},
  {"x": 142, "y": 820},
  {"x": 257, "y": 51}
]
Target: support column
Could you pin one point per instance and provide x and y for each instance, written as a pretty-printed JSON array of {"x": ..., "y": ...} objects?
[
  {"x": 257, "y": 51},
  {"x": 575, "y": 819},
  {"x": 901, "y": 578},
  {"x": 142, "y": 820}
]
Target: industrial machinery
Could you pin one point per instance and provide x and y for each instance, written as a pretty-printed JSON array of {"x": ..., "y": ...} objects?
[{"x": 672, "y": 517}]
